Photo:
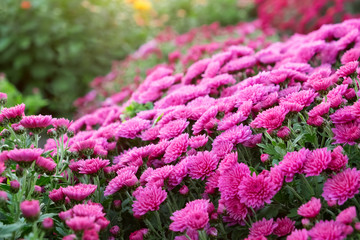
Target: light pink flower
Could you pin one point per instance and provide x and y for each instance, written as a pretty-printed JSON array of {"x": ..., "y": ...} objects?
[
  {"x": 342, "y": 186},
  {"x": 310, "y": 209},
  {"x": 83, "y": 210},
  {"x": 46, "y": 164},
  {"x": 148, "y": 199},
  {"x": 81, "y": 223}
]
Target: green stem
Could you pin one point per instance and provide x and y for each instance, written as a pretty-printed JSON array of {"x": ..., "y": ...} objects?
[
  {"x": 295, "y": 193},
  {"x": 148, "y": 223},
  {"x": 307, "y": 184},
  {"x": 36, "y": 140},
  {"x": 356, "y": 202}
]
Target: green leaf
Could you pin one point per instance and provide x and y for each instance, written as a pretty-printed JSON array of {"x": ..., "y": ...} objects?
[{"x": 7, "y": 230}]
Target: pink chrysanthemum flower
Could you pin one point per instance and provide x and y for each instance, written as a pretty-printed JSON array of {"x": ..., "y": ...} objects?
[
  {"x": 48, "y": 223},
  {"x": 148, "y": 199},
  {"x": 93, "y": 166},
  {"x": 14, "y": 114},
  {"x": 338, "y": 159},
  {"x": 61, "y": 125},
  {"x": 36, "y": 123},
  {"x": 81, "y": 223},
  {"x": 56, "y": 195},
  {"x": 262, "y": 227},
  {"x": 79, "y": 192},
  {"x": 284, "y": 226},
  {"x": 347, "y": 133},
  {"x": 310, "y": 209},
  {"x": 324, "y": 230},
  {"x": 46, "y": 164},
  {"x": 83, "y": 210},
  {"x": 25, "y": 156},
  {"x": 317, "y": 161},
  {"x": 173, "y": 129},
  {"x": 270, "y": 119},
  {"x": 319, "y": 110},
  {"x": 264, "y": 157},
  {"x": 126, "y": 178},
  {"x": 202, "y": 165},
  {"x": 236, "y": 210},
  {"x": 347, "y": 216},
  {"x": 3, "y": 196},
  {"x": 348, "y": 69},
  {"x": 30, "y": 209},
  {"x": 86, "y": 146},
  {"x": 139, "y": 234},
  {"x": 177, "y": 146},
  {"x": 298, "y": 235},
  {"x": 195, "y": 215},
  {"x": 342, "y": 186},
  {"x": 283, "y": 132},
  {"x": 132, "y": 128},
  {"x": 293, "y": 163},
  {"x": 255, "y": 191},
  {"x": 198, "y": 141}
]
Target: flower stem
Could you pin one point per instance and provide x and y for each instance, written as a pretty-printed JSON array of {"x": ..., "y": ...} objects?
[
  {"x": 312, "y": 192},
  {"x": 295, "y": 193}
]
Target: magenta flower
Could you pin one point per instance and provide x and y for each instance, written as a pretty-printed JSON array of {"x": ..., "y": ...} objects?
[
  {"x": 177, "y": 146},
  {"x": 79, "y": 192},
  {"x": 36, "y": 123},
  {"x": 293, "y": 163},
  {"x": 139, "y": 234},
  {"x": 173, "y": 129},
  {"x": 202, "y": 165},
  {"x": 56, "y": 195},
  {"x": 46, "y": 164},
  {"x": 81, "y": 223},
  {"x": 347, "y": 133},
  {"x": 342, "y": 186},
  {"x": 270, "y": 119},
  {"x": 198, "y": 141},
  {"x": 348, "y": 69},
  {"x": 93, "y": 166},
  {"x": 347, "y": 216},
  {"x": 83, "y": 210},
  {"x": 30, "y": 209},
  {"x": 262, "y": 227},
  {"x": 298, "y": 235},
  {"x": 255, "y": 191},
  {"x": 310, "y": 209},
  {"x": 48, "y": 223},
  {"x": 328, "y": 230},
  {"x": 126, "y": 178},
  {"x": 338, "y": 159},
  {"x": 25, "y": 156},
  {"x": 317, "y": 161},
  {"x": 148, "y": 199},
  {"x": 284, "y": 226},
  {"x": 14, "y": 114},
  {"x": 3, "y": 196}
]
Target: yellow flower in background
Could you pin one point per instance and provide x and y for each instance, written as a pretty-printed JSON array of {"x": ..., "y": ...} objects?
[{"x": 142, "y": 5}]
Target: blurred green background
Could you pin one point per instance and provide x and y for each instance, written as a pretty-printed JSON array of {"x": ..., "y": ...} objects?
[{"x": 51, "y": 49}]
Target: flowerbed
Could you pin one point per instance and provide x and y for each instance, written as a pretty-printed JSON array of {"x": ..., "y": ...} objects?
[{"x": 244, "y": 145}]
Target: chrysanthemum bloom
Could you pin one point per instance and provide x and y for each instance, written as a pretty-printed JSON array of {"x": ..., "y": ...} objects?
[
  {"x": 61, "y": 125},
  {"x": 3, "y": 98},
  {"x": 342, "y": 186},
  {"x": 30, "y": 209},
  {"x": 102, "y": 222},
  {"x": 45, "y": 165},
  {"x": 81, "y": 223},
  {"x": 132, "y": 128},
  {"x": 177, "y": 146},
  {"x": 83, "y": 210},
  {"x": 310, "y": 209},
  {"x": 284, "y": 226},
  {"x": 328, "y": 230},
  {"x": 236, "y": 210},
  {"x": 283, "y": 132},
  {"x": 184, "y": 190},
  {"x": 139, "y": 234},
  {"x": 115, "y": 230},
  {"x": 36, "y": 123},
  {"x": 125, "y": 178},
  {"x": 173, "y": 129},
  {"x": 262, "y": 227},
  {"x": 298, "y": 235},
  {"x": 255, "y": 191},
  {"x": 48, "y": 223},
  {"x": 338, "y": 159},
  {"x": 70, "y": 237},
  {"x": 317, "y": 161},
  {"x": 347, "y": 133},
  {"x": 270, "y": 119},
  {"x": 196, "y": 211},
  {"x": 25, "y": 156},
  {"x": 264, "y": 157},
  {"x": 93, "y": 166},
  {"x": 148, "y": 199},
  {"x": 79, "y": 192},
  {"x": 198, "y": 141},
  {"x": 64, "y": 215},
  {"x": 85, "y": 147},
  {"x": 158, "y": 176},
  {"x": 15, "y": 185},
  {"x": 348, "y": 69},
  {"x": 293, "y": 163},
  {"x": 90, "y": 234},
  {"x": 202, "y": 165},
  {"x": 3, "y": 196},
  {"x": 347, "y": 216},
  {"x": 14, "y": 114}
]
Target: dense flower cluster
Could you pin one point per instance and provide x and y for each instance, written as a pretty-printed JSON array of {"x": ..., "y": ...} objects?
[{"x": 247, "y": 143}]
